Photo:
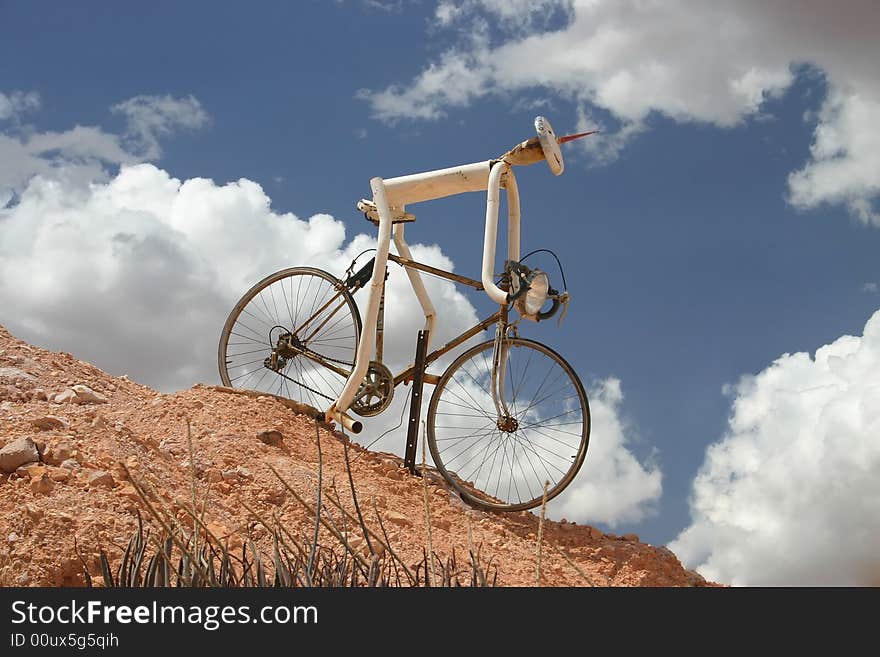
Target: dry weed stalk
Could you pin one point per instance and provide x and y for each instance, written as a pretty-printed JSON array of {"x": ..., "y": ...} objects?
[
  {"x": 430, "y": 571},
  {"x": 208, "y": 562},
  {"x": 541, "y": 535}
]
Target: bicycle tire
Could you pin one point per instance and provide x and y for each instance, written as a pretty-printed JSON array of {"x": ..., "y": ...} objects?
[
  {"x": 337, "y": 340},
  {"x": 463, "y": 387}
]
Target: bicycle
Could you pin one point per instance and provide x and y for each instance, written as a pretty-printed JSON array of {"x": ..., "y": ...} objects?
[{"x": 496, "y": 433}]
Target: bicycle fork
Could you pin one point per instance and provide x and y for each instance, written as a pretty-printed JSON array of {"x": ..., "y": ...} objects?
[{"x": 501, "y": 350}]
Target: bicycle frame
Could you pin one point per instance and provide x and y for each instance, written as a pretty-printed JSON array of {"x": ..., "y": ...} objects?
[
  {"x": 358, "y": 280},
  {"x": 391, "y": 198}
]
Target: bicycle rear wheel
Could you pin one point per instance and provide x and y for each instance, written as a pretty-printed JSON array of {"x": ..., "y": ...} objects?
[
  {"x": 500, "y": 461},
  {"x": 293, "y": 334}
]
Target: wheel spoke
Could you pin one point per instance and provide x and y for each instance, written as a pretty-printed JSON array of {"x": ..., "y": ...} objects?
[
  {"x": 279, "y": 302},
  {"x": 508, "y": 459}
]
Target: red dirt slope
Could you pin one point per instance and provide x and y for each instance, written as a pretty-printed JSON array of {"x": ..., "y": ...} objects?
[{"x": 78, "y": 488}]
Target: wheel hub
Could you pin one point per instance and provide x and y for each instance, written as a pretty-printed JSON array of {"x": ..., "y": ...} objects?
[
  {"x": 507, "y": 424},
  {"x": 288, "y": 346}
]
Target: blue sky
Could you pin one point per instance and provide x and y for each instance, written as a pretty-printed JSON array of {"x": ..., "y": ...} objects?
[{"x": 694, "y": 254}]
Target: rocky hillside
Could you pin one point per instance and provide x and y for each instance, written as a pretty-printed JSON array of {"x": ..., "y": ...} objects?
[{"x": 74, "y": 439}]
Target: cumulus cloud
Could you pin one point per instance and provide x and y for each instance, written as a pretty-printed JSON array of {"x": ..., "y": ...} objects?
[
  {"x": 81, "y": 154},
  {"x": 16, "y": 103},
  {"x": 845, "y": 157},
  {"x": 713, "y": 62},
  {"x": 791, "y": 494},
  {"x": 103, "y": 268},
  {"x": 152, "y": 117},
  {"x": 613, "y": 487}
]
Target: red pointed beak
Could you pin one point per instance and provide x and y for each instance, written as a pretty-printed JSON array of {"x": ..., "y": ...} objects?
[{"x": 568, "y": 138}]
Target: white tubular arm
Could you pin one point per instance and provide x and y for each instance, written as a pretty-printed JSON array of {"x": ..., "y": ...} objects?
[
  {"x": 415, "y": 280},
  {"x": 430, "y": 185},
  {"x": 368, "y": 334},
  {"x": 489, "y": 237}
]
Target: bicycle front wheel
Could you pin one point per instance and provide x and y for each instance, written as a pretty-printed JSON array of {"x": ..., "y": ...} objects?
[
  {"x": 293, "y": 334},
  {"x": 499, "y": 458}
]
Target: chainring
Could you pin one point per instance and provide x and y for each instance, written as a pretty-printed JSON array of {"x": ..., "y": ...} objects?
[{"x": 375, "y": 392}]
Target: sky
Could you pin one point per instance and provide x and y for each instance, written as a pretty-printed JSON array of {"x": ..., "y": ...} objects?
[{"x": 719, "y": 235}]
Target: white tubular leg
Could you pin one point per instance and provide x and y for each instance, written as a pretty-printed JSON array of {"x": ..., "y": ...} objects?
[
  {"x": 415, "y": 280},
  {"x": 368, "y": 334},
  {"x": 489, "y": 237},
  {"x": 512, "y": 216}
]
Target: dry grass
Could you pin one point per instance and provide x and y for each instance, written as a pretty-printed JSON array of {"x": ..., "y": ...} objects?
[{"x": 192, "y": 556}]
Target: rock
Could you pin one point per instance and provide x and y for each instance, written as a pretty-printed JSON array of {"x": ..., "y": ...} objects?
[
  {"x": 64, "y": 397},
  {"x": 100, "y": 478},
  {"x": 596, "y": 534},
  {"x": 39, "y": 394},
  {"x": 42, "y": 485},
  {"x": 17, "y": 453},
  {"x": 129, "y": 492},
  {"x": 441, "y": 523},
  {"x": 58, "y": 474},
  {"x": 398, "y": 519},
  {"x": 57, "y": 454},
  {"x": 11, "y": 393},
  {"x": 70, "y": 464},
  {"x": 633, "y": 538},
  {"x": 218, "y": 530},
  {"x": 34, "y": 512},
  {"x": 15, "y": 376},
  {"x": 12, "y": 537},
  {"x": 32, "y": 470},
  {"x": 50, "y": 423},
  {"x": 85, "y": 395},
  {"x": 271, "y": 437}
]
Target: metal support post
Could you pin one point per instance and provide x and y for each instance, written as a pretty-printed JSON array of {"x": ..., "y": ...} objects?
[{"x": 415, "y": 405}]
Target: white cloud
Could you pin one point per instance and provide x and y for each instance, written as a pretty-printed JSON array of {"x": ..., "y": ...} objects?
[
  {"x": 136, "y": 272},
  {"x": 613, "y": 487},
  {"x": 151, "y": 117},
  {"x": 14, "y": 104},
  {"x": 791, "y": 494},
  {"x": 706, "y": 62},
  {"x": 80, "y": 155},
  {"x": 77, "y": 155},
  {"x": 129, "y": 258},
  {"x": 845, "y": 165}
]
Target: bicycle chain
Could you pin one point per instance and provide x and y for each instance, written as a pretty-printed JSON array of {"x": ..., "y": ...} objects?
[
  {"x": 305, "y": 349},
  {"x": 303, "y": 385}
]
